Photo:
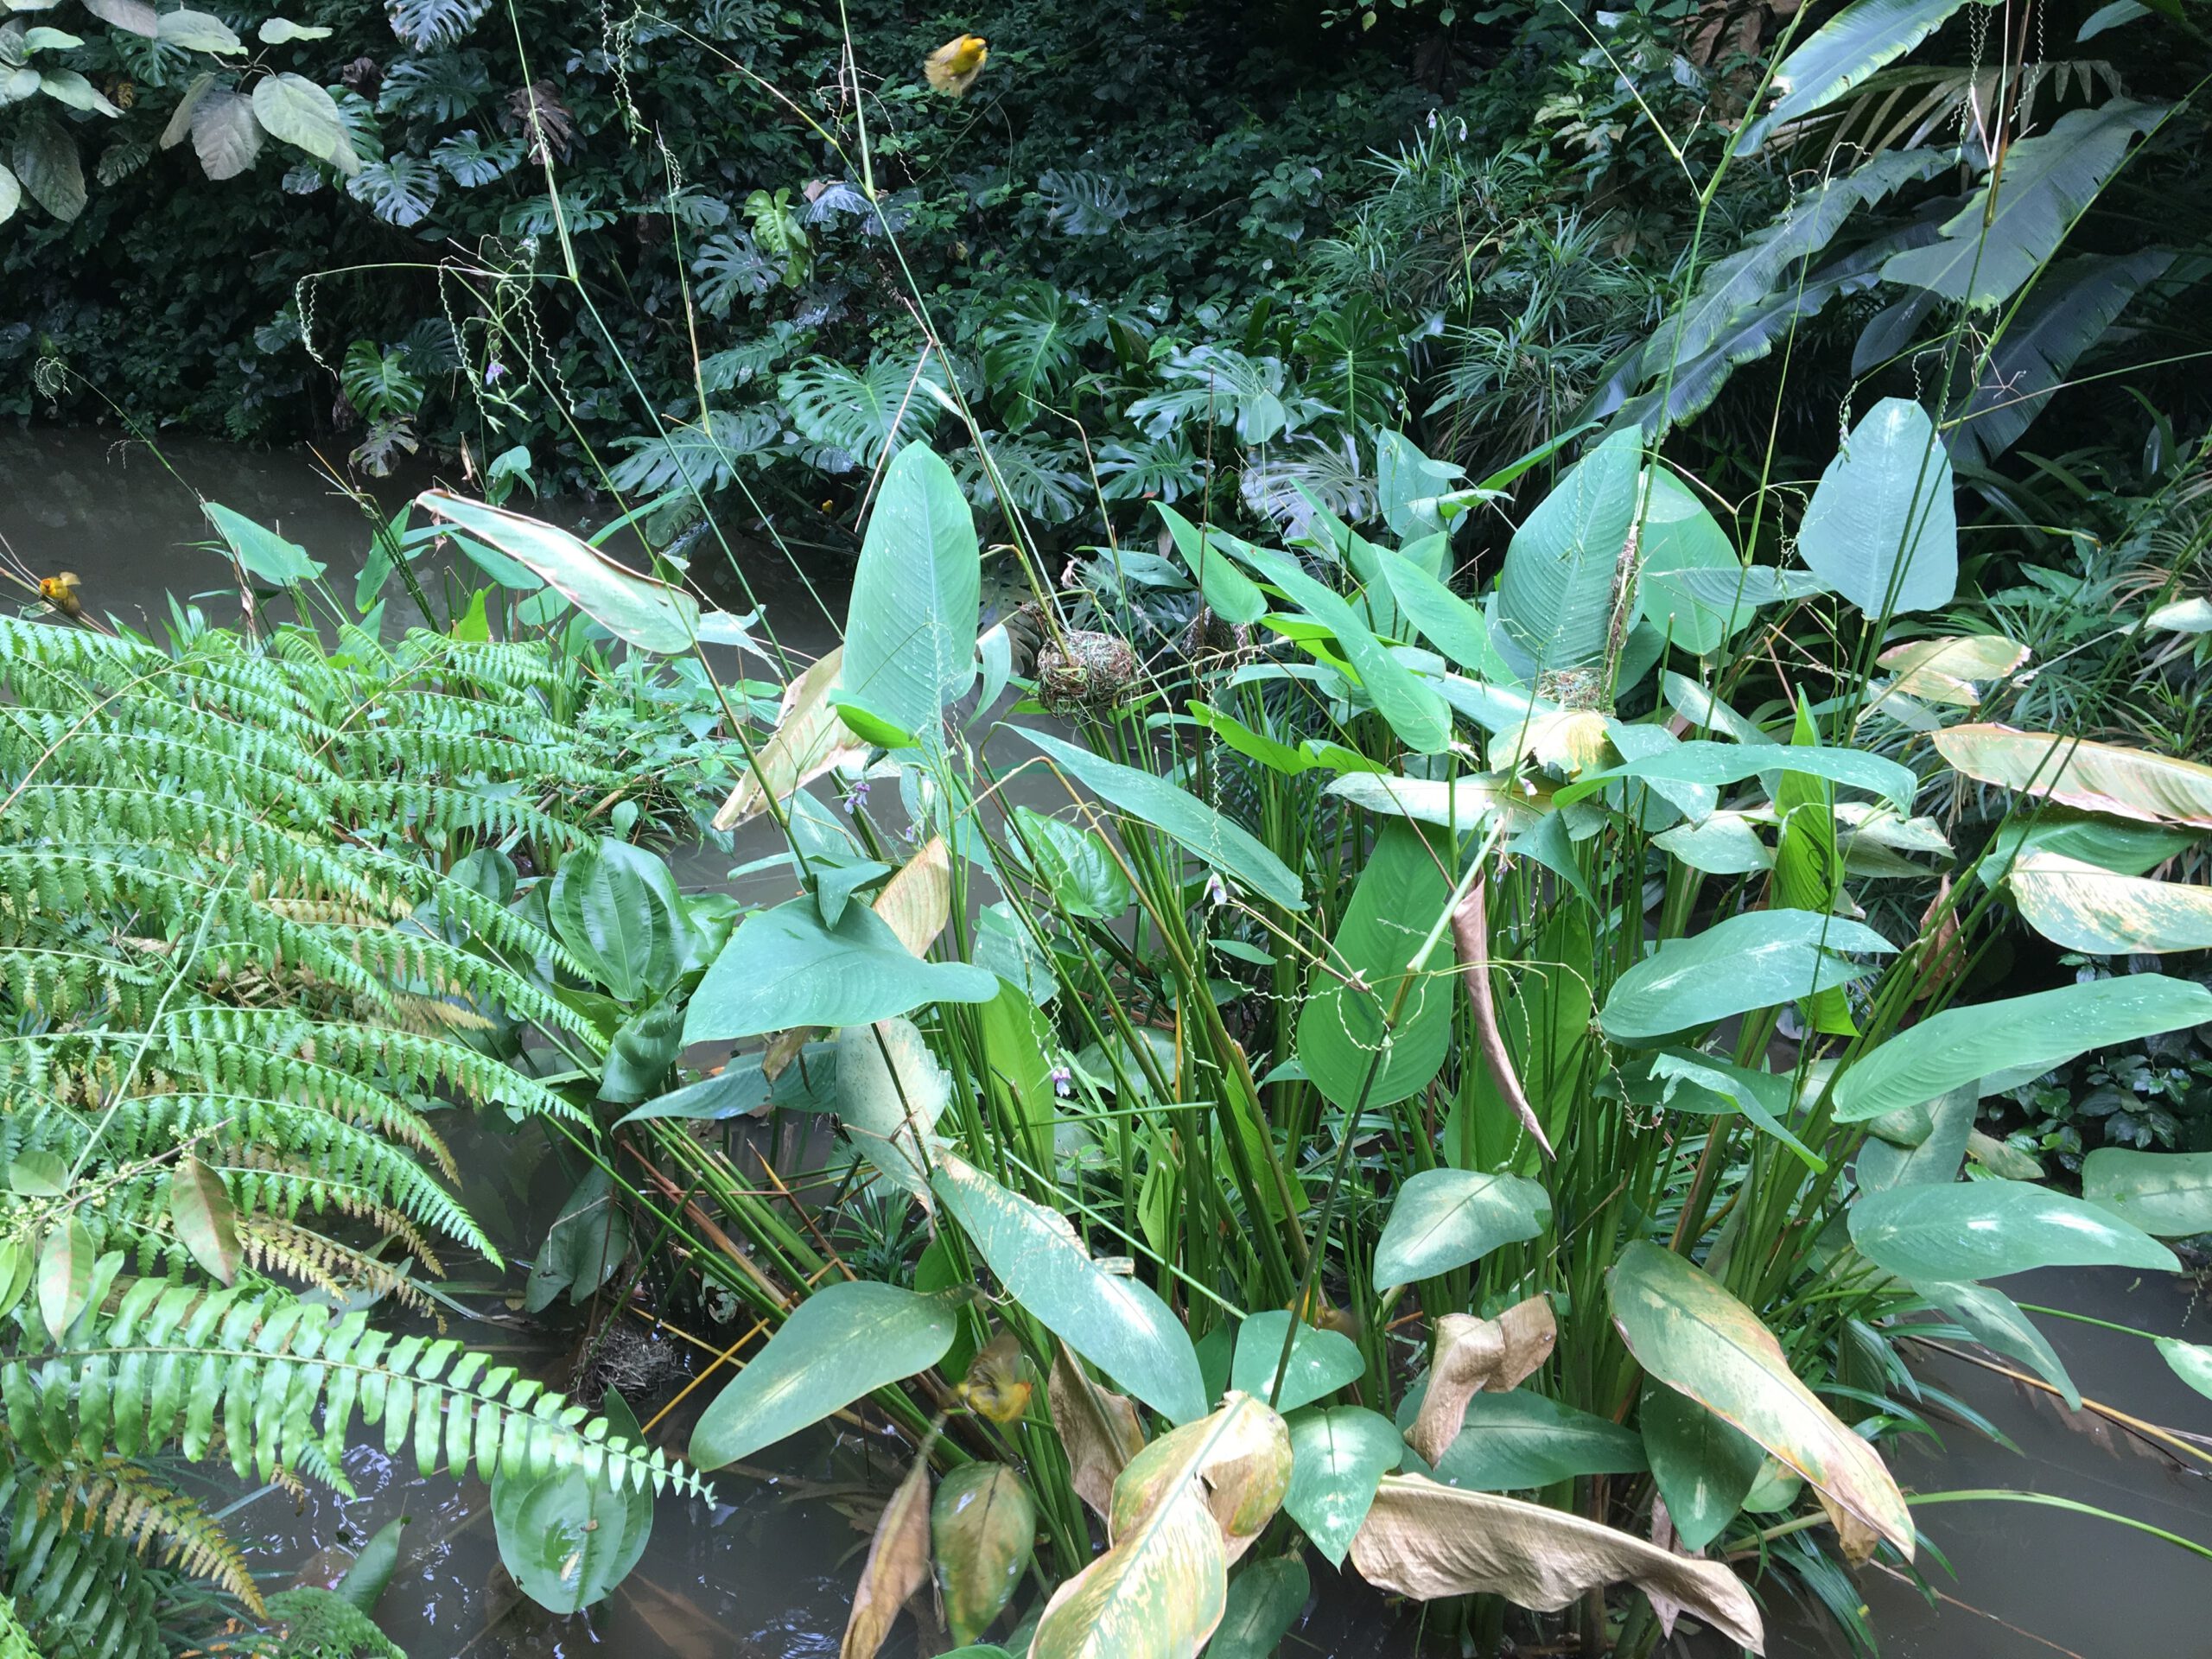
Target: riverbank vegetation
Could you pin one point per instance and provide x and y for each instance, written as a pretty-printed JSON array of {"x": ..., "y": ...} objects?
[{"x": 1566, "y": 832}]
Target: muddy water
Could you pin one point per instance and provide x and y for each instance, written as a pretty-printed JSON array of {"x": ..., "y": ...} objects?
[{"x": 766, "y": 1572}]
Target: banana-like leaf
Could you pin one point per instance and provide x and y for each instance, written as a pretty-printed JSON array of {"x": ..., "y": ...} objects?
[
  {"x": 917, "y": 901},
  {"x": 2084, "y": 907},
  {"x": 1428, "y": 1541},
  {"x": 2094, "y": 777},
  {"x": 1842, "y": 53},
  {"x": 1556, "y": 594},
  {"x": 910, "y": 628},
  {"x": 1882, "y": 529},
  {"x": 2168, "y": 1194},
  {"x": 809, "y": 741}
]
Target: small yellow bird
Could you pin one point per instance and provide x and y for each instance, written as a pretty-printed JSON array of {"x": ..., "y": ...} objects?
[
  {"x": 61, "y": 592},
  {"x": 952, "y": 68},
  {"x": 994, "y": 1387}
]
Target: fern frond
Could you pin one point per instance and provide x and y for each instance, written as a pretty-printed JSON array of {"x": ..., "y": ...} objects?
[
  {"x": 124, "y": 1501},
  {"x": 80, "y": 1593}
]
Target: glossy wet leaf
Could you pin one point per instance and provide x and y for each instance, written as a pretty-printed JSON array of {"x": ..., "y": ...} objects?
[
  {"x": 1704, "y": 1466},
  {"x": 1074, "y": 863},
  {"x": 1520, "y": 1441},
  {"x": 1882, "y": 529},
  {"x": 2029, "y": 1033},
  {"x": 1690, "y": 1334},
  {"x": 1338, "y": 1454},
  {"x": 1112, "y": 1321},
  {"x": 1429, "y": 1540},
  {"x": 568, "y": 1538},
  {"x": 891, "y": 1090},
  {"x": 2191, "y": 1362},
  {"x": 983, "y": 1525},
  {"x": 1474, "y": 1355},
  {"x": 374, "y": 1566},
  {"x": 583, "y": 1247},
  {"x": 2084, "y": 907},
  {"x": 1398, "y": 899},
  {"x": 898, "y": 1562},
  {"x": 1444, "y": 1218},
  {"x": 1713, "y": 764},
  {"x": 910, "y": 627},
  {"x": 65, "y": 1274},
  {"x": 2127, "y": 783},
  {"x": 843, "y": 1342},
  {"x": 1756, "y": 959},
  {"x": 2167, "y": 1194},
  {"x": 1159, "y": 805},
  {"x": 1264, "y": 1601},
  {"x": 201, "y": 1209},
  {"x": 1985, "y": 1229},
  {"x": 783, "y": 969},
  {"x": 1098, "y": 1430},
  {"x": 1321, "y": 1362},
  {"x": 641, "y": 609}
]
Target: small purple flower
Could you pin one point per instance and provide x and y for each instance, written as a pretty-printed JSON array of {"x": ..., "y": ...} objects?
[
  {"x": 856, "y": 796},
  {"x": 1063, "y": 1081},
  {"x": 494, "y": 372},
  {"x": 1217, "y": 889}
]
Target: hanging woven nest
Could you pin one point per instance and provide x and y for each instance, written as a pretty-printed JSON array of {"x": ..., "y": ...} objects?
[{"x": 1084, "y": 671}]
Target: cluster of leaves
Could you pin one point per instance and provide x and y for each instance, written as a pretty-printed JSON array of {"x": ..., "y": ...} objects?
[{"x": 254, "y": 932}]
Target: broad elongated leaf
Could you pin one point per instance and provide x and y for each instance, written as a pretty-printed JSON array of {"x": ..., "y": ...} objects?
[
  {"x": 1692, "y": 1336},
  {"x": 2047, "y": 183},
  {"x": 1997, "y": 1322},
  {"x": 1444, "y": 1218},
  {"x": 1985, "y": 1229},
  {"x": 1264, "y": 1601},
  {"x": 1704, "y": 1466},
  {"x": 1556, "y": 593},
  {"x": 2084, "y": 907},
  {"x": 1111, "y": 1319},
  {"x": 1882, "y": 529},
  {"x": 2029, "y": 1033},
  {"x": 2191, "y": 1362},
  {"x": 647, "y": 613},
  {"x": 65, "y": 1274},
  {"x": 265, "y": 555},
  {"x": 1680, "y": 535},
  {"x": 1232, "y": 596},
  {"x": 742, "y": 1087},
  {"x": 2094, "y": 777},
  {"x": 910, "y": 629},
  {"x": 197, "y": 31},
  {"x": 890, "y": 1093},
  {"x": 2129, "y": 848},
  {"x": 1705, "y": 762},
  {"x": 11, "y": 195},
  {"x": 567, "y": 1537},
  {"x": 1337, "y": 1455},
  {"x": 1519, "y": 1440},
  {"x": 616, "y": 907},
  {"x": 2167, "y": 1194},
  {"x": 200, "y": 1208},
  {"x": 1936, "y": 1160},
  {"x": 1321, "y": 1362},
  {"x": 584, "y": 1246},
  {"x": 809, "y": 741},
  {"x": 1463, "y": 803},
  {"x": 296, "y": 110},
  {"x": 1428, "y": 1541},
  {"x": 1154, "y": 801},
  {"x": 984, "y": 1526},
  {"x": 1758, "y": 959},
  {"x": 783, "y": 969},
  {"x": 46, "y": 165},
  {"x": 1842, "y": 53},
  {"x": 1449, "y": 623},
  {"x": 1399, "y": 898},
  {"x": 846, "y": 1341}
]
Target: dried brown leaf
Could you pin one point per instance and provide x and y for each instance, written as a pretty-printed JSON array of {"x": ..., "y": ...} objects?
[
  {"x": 1098, "y": 1428},
  {"x": 898, "y": 1563},
  {"x": 1471, "y": 932},
  {"x": 1474, "y": 1356}
]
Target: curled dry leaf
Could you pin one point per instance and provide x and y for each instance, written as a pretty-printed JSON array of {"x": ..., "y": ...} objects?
[
  {"x": 1474, "y": 1356},
  {"x": 917, "y": 901},
  {"x": 1098, "y": 1428},
  {"x": 809, "y": 741},
  {"x": 1471, "y": 932},
  {"x": 1426, "y": 1541},
  {"x": 898, "y": 1562},
  {"x": 1239, "y": 1457}
]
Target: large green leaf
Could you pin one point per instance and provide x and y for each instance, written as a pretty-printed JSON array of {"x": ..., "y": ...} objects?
[
  {"x": 616, "y": 907},
  {"x": 1337, "y": 1457},
  {"x": 568, "y": 1538},
  {"x": 1754, "y": 960},
  {"x": 2091, "y": 777},
  {"x": 1449, "y": 622},
  {"x": 984, "y": 1526},
  {"x": 266, "y": 556},
  {"x": 46, "y": 165},
  {"x": 890, "y": 1091},
  {"x": 1519, "y": 1440},
  {"x": 1936, "y": 1160},
  {"x": 1232, "y": 596},
  {"x": 1321, "y": 1362},
  {"x": 1999, "y": 1323},
  {"x": 846, "y": 1341},
  {"x": 740, "y": 1088},
  {"x": 2191, "y": 1362},
  {"x": 1412, "y": 706},
  {"x": 783, "y": 968},
  {"x": 1679, "y": 535},
  {"x": 1264, "y": 1601},
  {"x": 1984, "y": 1230},
  {"x": 201, "y": 1209},
  {"x": 1843, "y": 51},
  {"x": 1111, "y": 1319},
  {"x": 1702, "y": 760},
  {"x": 584, "y": 1246},
  {"x": 293, "y": 108},
  {"x": 2084, "y": 906},
  {"x": 1399, "y": 898},
  {"x": 2047, "y": 183},
  {"x": 2031, "y": 1033},
  {"x": 647, "y": 613},
  {"x": 1691, "y": 1335},
  {"x": 2167, "y": 1194},
  {"x": 1882, "y": 529},
  {"x": 1444, "y": 1218},
  {"x": 1555, "y": 594},
  {"x": 910, "y": 628},
  {"x": 1175, "y": 812},
  {"x": 1705, "y": 1468}
]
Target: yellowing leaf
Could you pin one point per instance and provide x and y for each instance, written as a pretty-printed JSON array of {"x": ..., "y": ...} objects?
[
  {"x": 916, "y": 900},
  {"x": 898, "y": 1562},
  {"x": 809, "y": 741},
  {"x": 1240, "y": 1456},
  {"x": 985, "y": 1527},
  {"x": 2084, "y": 906},
  {"x": 1428, "y": 1541},
  {"x": 2095, "y": 777},
  {"x": 1952, "y": 669}
]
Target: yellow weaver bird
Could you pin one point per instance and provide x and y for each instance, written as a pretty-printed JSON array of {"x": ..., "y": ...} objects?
[
  {"x": 952, "y": 68},
  {"x": 994, "y": 1387},
  {"x": 61, "y": 592}
]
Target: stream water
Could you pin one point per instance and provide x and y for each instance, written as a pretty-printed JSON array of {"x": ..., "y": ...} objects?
[{"x": 766, "y": 1572}]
